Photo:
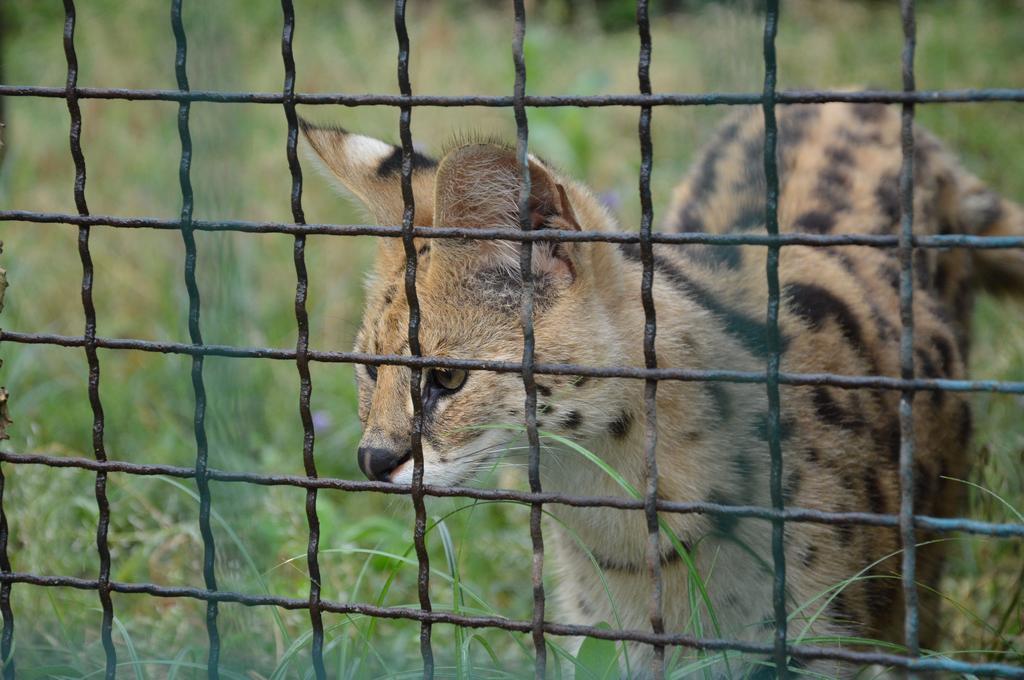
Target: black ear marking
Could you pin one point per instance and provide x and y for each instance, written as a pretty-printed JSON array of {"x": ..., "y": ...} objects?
[
  {"x": 565, "y": 209},
  {"x": 392, "y": 164},
  {"x": 545, "y": 214}
]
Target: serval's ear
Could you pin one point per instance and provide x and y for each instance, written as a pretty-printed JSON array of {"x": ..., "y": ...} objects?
[
  {"x": 372, "y": 171},
  {"x": 478, "y": 186}
]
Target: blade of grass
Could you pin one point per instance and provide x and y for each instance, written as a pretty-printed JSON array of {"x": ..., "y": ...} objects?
[
  {"x": 130, "y": 646},
  {"x": 173, "y": 663},
  {"x": 598, "y": 657},
  {"x": 580, "y": 671},
  {"x": 702, "y": 665},
  {"x": 237, "y": 541},
  {"x": 482, "y": 641},
  {"x": 694, "y": 577},
  {"x": 60, "y": 618},
  {"x": 1016, "y": 513},
  {"x": 344, "y": 650},
  {"x": 676, "y": 543},
  {"x": 557, "y": 667},
  {"x": 406, "y": 560},
  {"x": 600, "y": 574},
  {"x": 303, "y": 640},
  {"x": 409, "y": 548},
  {"x": 837, "y": 588},
  {"x": 462, "y": 667},
  {"x": 179, "y": 659}
]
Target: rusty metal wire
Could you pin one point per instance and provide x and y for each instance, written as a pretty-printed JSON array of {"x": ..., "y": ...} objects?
[
  {"x": 650, "y": 332},
  {"x": 7, "y": 637},
  {"x": 780, "y": 651},
  {"x": 537, "y": 235},
  {"x": 939, "y": 524},
  {"x": 99, "y": 451},
  {"x": 416, "y": 439},
  {"x": 771, "y": 172},
  {"x": 302, "y": 342},
  {"x": 538, "y": 101},
  {"x": 751, "y": 377},
  {"x": 196, "y": 337},
  {"x": 526, "y": 320},
  {"x": 906, "y": 414},
  {"x": 413, "y": 614}
]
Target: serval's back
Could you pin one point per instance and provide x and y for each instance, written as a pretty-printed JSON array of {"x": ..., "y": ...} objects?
[{"x": 839, "y": 173}]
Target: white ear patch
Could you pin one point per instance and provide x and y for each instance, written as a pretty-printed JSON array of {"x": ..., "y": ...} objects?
[{"x": 366, "y": 151}]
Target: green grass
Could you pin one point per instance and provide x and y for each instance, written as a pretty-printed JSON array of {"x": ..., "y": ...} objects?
[{"x": 247, "y": 286}]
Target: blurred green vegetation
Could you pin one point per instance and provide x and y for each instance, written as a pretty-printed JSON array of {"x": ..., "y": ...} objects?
[{"x": 247, "y": 285}]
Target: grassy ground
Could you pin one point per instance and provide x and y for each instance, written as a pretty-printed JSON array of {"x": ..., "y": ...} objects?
[{"x": 247, "y": 287}]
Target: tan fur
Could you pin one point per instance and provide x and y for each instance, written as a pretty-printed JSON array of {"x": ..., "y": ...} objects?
[{"x": 839, "y": 169}]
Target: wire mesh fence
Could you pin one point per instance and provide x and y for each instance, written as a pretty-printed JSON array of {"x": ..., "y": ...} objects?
[{"x": 539, "y": 626}]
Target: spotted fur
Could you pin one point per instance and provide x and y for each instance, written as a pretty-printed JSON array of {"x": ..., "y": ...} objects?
[{"x": 839, "y": 173}]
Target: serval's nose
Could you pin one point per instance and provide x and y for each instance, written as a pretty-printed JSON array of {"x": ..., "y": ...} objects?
[{"x": 378, "y": 463}]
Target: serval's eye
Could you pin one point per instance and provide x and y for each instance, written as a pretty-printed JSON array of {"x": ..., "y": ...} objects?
[
  {"x": 371, "y": 371},
  {"x": 449, "y": 380}
]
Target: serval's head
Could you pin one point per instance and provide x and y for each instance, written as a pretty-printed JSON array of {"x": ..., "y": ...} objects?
[{"x": 470, "y": 298}]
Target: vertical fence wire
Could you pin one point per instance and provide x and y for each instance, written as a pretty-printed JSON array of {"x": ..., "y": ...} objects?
[
  {"x": 415, "y": 382},
  {"x": 302, "y": 341},
  {"x": 526, "y": 320},
  {"x": 771, "y": 171},
  {"x": 7, "y": 636},
  {"x": 196, "y": 337},
  {"x": 98, "y": 448},
  {"x": 650, "y": 331},
  {"x": 906, "y": 257},
  {"x": 7, "y": 633}
]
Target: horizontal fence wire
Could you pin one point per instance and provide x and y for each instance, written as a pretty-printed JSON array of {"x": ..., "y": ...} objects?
[
  {"x": 807, "y": 652},
  {"x": 780, "y": 650},
  {"x": 940, "y": 241},
  {"x": 535, "y": 101},
  {"x": 940, "y": 524},
  {"x": 638, "y": 373}
]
